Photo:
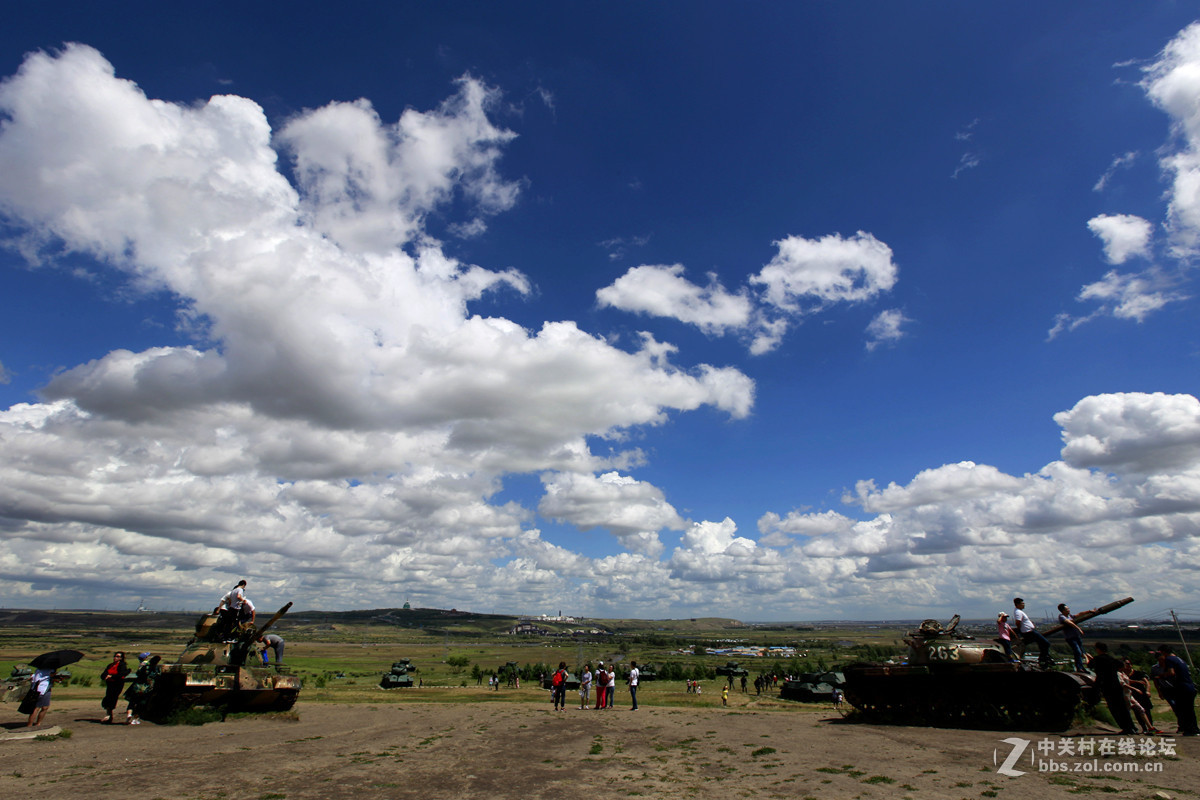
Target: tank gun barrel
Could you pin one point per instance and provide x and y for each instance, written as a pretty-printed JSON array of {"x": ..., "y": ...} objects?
[
  {"x": 275, "y": 618},
  {"x": 1084, "y": 616},
  {"x": 239, "y": 652}
]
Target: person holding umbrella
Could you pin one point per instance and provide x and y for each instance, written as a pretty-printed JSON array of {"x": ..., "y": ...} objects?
[{"x": 38, "y": 699}]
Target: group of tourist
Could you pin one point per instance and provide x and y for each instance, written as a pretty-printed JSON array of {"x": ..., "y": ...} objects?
[
  {"x": 604, "y": 679},
  {"x": 1126, "y": 690},
  {"x": 137, "y": 695},
  {"x": 234, "y": 610}
]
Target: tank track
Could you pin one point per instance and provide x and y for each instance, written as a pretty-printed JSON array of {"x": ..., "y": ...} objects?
[{"x": 988, "y": 697}]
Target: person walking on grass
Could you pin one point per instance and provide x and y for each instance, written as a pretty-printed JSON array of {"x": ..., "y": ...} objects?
[
  {"x": 585, "y": 684},
  {"x": 558, "y": 687},
  {"x": 634, "y": 675},
  {"x": 602, "y": 680}
]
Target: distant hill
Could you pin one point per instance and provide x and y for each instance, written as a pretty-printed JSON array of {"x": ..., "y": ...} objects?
[
  {"x": 419, "y": 618},
  {"x": 10, "y": 618}
]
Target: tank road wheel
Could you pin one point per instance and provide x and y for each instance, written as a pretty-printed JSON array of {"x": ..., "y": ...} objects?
[{"x": 989, "y": 714}]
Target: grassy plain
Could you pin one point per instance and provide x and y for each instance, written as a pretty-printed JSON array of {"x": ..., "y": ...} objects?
[{"x": 342, "y": 655}]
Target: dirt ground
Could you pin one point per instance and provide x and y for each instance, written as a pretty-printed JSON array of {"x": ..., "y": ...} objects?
[{"x": 411, "y": 749}]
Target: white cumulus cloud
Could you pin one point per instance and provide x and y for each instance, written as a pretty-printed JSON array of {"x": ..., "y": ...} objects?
[
  {"x": 343, "y": 419},
  {"x": 804, "y": 277},
  {"x": 1124, "y": 236}
]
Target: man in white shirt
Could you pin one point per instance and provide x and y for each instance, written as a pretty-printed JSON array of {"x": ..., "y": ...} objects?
[
  {"x": 633, "y": 682},
  {"x": 246, "y": 613},
  {"x": 230, "y": 609},
  {"x": 1028, "y": 632}
]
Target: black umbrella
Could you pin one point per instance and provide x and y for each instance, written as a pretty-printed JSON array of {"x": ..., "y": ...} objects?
[{"x": 55, "y": 659}]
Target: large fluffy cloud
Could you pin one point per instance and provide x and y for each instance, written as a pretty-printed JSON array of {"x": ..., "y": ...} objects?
[
  {"x": 1118, "y": 514},
  {"x": 345, "y": 429},
  {"x": 344, "y": 420},
  {"x": 1173, "y": 84},
  {"x": 633, "y": 510}
]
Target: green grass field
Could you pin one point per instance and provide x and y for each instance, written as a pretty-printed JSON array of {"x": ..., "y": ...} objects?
[{"x": 342, "y": 656}]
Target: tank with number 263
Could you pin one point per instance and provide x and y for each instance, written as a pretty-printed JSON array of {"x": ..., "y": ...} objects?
[{"x": 952, "y": 680}]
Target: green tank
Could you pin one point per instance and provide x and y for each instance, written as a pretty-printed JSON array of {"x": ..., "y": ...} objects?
[
  {"x": 510, "y": 673},
  {"x": 213, "y": 670},
  {"x": 813, "y": 687},
  {"x": 950, "y": 680},
  {"x": 572, "y": 681},
  {"x": 16, "y": 685},
  {"x": 400, "y": 676},
  {"x": 732, "y": 671}
]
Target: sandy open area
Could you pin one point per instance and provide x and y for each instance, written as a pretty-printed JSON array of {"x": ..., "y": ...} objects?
[{"x": 404, "y": 748}]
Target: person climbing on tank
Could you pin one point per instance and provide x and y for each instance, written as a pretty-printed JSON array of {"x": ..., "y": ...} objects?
[
  {"x": 1072, "y": 634},
  {"x": 1005, "y": 634},
  {"x": 229, "y": 609},
  {"x": 1029, "y": 633},
  {"x": 246, "y": 613},
  {"x": 1108, "y": 680}
]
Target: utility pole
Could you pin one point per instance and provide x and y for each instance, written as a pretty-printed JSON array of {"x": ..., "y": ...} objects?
[{"x": 1187, "y": 653}]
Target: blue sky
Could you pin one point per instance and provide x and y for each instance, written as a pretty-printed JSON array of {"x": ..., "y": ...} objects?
[{"x": 788, "y": 311}]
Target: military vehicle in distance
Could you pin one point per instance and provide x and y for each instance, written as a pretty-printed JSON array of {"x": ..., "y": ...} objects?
[
  {"x": 813, "y": 687},
  {"x": 213, "y": 671},
  {"x": 399, "y": 677},
  {"x": 572, "y": 681},
  {"x": 732, "y": 672},
  {"x": 15, "y": 686},
  {"x": 952, "y": 681}
]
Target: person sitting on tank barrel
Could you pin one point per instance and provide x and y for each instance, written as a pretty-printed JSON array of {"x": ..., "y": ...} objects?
[
  {"x": 1029, "y": 633},
  {"x": 1072, "y": 633},
  {"x": 1005, "y": 634}
]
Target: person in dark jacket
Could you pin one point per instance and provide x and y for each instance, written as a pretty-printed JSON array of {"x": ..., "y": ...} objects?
[
  {"x": 139, "y": 693},
  {"x": 1177, "y": 687},
  {"x": 1108, "y": 679},
  {"x": 114, "y": 681}
]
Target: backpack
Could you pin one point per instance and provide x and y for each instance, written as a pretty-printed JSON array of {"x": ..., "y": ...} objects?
[{"x": 557, "y": 680}]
